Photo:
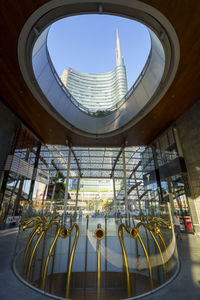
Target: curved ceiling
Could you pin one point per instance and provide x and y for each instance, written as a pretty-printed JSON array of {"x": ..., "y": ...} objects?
[{"x": 183, "y": 92}]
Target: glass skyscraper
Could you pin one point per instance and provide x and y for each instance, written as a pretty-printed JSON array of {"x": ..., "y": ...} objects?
[{"x": 98, "y": 92}]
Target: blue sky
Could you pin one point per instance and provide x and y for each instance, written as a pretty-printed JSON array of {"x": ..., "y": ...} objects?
[{"x": 87, "y": 43}]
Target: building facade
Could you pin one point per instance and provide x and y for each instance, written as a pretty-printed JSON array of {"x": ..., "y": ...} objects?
[{"x": 98, "y": 92}]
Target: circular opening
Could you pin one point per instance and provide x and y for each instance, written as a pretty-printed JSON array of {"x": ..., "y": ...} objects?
[{"x": 47, "y": 87}]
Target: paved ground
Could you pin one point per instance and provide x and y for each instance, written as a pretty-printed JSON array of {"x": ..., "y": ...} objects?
[{"x": 186, "y": 285}]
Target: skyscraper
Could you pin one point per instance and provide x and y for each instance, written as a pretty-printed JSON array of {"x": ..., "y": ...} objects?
[{"x": 98, "y": 92}]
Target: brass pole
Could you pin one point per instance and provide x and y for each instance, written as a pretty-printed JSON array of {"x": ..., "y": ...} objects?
[
  {"x": 122, "y": 235},
  {"x": 159, "y": 233},
  {"x": 53, "y": 260},
  {"x": 161, "y": 255},
  {"x": 33, "y": 253},
  {"x": 146, "y": 254},
  {"x": 106, "y": 263},
  {"x": 98, "y": 268},
  {"x": 120, "y": 231},
  {"x": 147, "y": 239},
  {"x": 86, "y": 249},
  {"x": 42, "y": 258},
  {"x": 52, "y": 267},
  {"x": 148, "y": 218},
  {"x": 31, "y": 237},
  {"x": 164, "y": 243},
  {"x": 69, "y": 245},
  {"x": 136, "y": 245},
  {"x": 156, "y": 222},
  {"x": 71, "y": 257},
  {"x": 166, "y": 225},
  {"x": 99, "y": 233},
  {"x": 158, "y": 269},
  {"x": 50, "y": 251}
]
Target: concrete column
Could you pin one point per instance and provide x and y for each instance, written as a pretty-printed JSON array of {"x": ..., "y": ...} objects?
[
  {"x": 178, "y": 143},
  {"x": 171, "y": 198},
  {"x": 188, "y": 131}
]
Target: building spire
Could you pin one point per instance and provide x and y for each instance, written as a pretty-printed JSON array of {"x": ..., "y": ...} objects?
[{"x": 119, "y": 60}]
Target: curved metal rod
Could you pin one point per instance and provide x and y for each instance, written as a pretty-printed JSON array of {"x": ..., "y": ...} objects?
[
  {"x": 162, "y": 239},
  {"x": 98, "y": 268},
  {"x": 120, "y": 234},
  {"x": 161, "y": 255},
  {"x": 147, "y": 220},
  {"x": 43, "y": 252},
  {"x": 71, "y": 257},
  {"x": 99, "y": 234},
  {"x": 136, "y": 245},
  {"x": 29, "y": 220},
  {"x": 164, "y": 244},
  {"x": 50, "y": 251},
  {"x": 106, "y": 262},
  {"x": 159, "y": 233},
  {"x": 161, "y": 221},
  {"x": 86, "y": 252},
  {"x": 147, "y": 237},
  {"x": 69, "y": 245},
  {"x": 26, "y": 224},
  {"x": 33, "y": 253},
  {"x": 146, "y": 254},
  {"x": 31, "y": 237}
]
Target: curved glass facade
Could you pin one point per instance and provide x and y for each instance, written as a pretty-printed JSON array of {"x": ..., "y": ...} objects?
[{"x": 98, "y": 92}]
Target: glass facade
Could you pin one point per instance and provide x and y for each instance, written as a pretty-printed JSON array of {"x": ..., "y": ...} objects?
[
  {"x": 89, "y": 214},
  {"x": 97, "y": 91}
]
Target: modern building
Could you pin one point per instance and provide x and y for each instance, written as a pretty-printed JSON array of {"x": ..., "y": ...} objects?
[
  {"x": 148, "y": 149},
  {"x": 98, "y": 92}
]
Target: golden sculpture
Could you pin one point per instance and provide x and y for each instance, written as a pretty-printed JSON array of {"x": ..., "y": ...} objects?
[{"x": 40, "y": 226}]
